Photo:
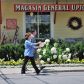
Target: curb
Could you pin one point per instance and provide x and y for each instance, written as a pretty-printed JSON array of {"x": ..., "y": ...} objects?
[
  {"x": 64, "y": 65},
  {"x": 46, "y": 65},
  {"x": 63, "y": 71},
  {"x": 12, "y": 69}
]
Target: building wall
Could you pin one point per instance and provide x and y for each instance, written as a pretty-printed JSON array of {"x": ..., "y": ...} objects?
[
  {"x": 7, "y": 7},
  {"x": 61, "y": 29},
  {"x": 8, "y": 13}
]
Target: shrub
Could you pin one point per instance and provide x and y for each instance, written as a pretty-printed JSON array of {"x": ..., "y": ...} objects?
[
  {"x": 11, "y": 51},
  {"x": 58, "y": 51}
]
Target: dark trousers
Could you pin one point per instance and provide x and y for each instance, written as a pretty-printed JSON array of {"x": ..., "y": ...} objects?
[{"x": 26, "y": 58}]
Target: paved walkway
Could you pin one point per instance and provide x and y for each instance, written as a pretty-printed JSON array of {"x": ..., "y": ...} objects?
[
  {"x": 48, "y": 68},
  {"x": 51, "y": 74}
]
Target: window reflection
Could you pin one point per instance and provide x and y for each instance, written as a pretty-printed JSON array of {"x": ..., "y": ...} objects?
[
  {"x": 44, "y": 30},
  {"x": 39, "y": 21},
  {"x": 44, "y": 18},
  {"x": 31, "y": 19}
]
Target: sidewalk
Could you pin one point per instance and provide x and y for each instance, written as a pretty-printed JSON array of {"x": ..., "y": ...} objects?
[{"x": 48, "y": 68}]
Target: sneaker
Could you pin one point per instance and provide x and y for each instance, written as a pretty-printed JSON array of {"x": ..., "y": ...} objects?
[
  {"x": 22, "y": 72},
  {"x": 42, "y": 67},
  {"x": 38, "y": 72}
]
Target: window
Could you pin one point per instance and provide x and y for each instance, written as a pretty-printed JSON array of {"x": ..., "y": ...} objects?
[{"x": 39, "y": 21}]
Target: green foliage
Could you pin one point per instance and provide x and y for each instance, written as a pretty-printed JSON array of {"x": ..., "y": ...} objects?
[
  {"x": 52, "y": 52},
  {"x": 11, "y": 62},
  {"x": 20, "y": 61},
  {"x": 11, "y": 51},
  {"x": 65, "y": 51}
]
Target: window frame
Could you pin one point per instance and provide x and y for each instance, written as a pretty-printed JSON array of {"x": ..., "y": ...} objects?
[{"x": 51, "y": 24}]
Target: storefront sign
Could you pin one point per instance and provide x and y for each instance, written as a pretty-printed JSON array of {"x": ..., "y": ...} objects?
[
  {"x": 11, "y": 23},
  {"x": 48, "y": 7}
]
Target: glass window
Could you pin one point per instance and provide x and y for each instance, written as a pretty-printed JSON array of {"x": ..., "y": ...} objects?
[{"x": 39, "y": 21}]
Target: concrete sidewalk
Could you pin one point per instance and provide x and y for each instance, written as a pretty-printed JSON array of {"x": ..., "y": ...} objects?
[{"x": 48, "y": 68}]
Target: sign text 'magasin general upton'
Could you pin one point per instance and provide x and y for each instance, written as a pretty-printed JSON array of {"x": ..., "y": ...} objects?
[{"x": 48, "y": 7}]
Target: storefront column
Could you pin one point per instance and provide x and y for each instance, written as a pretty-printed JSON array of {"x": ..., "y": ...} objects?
[{"x": 0, "y": 19}]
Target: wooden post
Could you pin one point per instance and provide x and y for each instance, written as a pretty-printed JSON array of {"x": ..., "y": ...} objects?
[
  {"x": 15, "y": 39},
  {"x": 4, "y": 36},
  {"x": 0, "y": 19},
  {"x": 0, "y": 31},
  {"x": 55, "y": 13}
]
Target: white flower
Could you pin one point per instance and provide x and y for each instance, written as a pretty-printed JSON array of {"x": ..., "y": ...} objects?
[
  {"x": 38, "y": 50},
  {"x": 42, "y": 62},
  {"x": 44, "y": 51},
  {"x": 48, "y": 59},
  {"x": 44, "y": 43},
  {"x": 83, "y": 53},
  {"x": 53, "y": 50},
  {"x": 55, "y": 44},
  {"x": 64, "y": 57},
  {"x": 7, "y": 55},
  {"x": 54, "y": 56},
  {"x": 69, "y": 55},
  {"x": 40, "y": 56},
  {"x": 47, "y": 41},
  {"x": 62, "y": 53},
  {"x": 68, "y": 60},
  {"x": 60, "y": 56},
  {"x": 67, "y": 50}
]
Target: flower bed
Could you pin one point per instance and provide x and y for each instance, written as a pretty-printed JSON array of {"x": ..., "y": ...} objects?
[
  {"x": 20, "y": 61},
  {"x": 50, "y": 52}
]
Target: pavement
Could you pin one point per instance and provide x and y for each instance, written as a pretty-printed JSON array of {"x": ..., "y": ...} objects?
[
  {"x": 48, "y": 68},
  {"x": 51, "y": 74}
]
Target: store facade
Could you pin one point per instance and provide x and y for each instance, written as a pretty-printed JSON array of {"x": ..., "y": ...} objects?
[{"x": 48, "y": 24}]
